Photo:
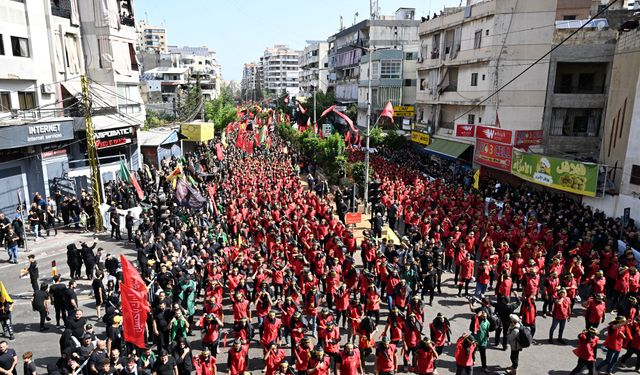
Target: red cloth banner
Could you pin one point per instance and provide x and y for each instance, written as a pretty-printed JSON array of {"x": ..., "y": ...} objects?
[
  {"x": 494, "y": 155},
  {"x": 353, "y": 218},
  {"x": 388, "y": 111},
  {"x": 347, "y": 119},
  {"x": 528, "y": 138},
  {"x": 135, "y": 304},
  {"x": 465, "y": 130},
  {"x": 347, "y": 138},
  {"x": 219, "y": 151},
  {"x": 326, "y": 111},
  {"x": 492, "y": 134}
]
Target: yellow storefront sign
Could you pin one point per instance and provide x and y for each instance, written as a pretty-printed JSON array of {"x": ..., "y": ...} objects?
[
  {"x": 421, "y": 138},
  {"x": 404, "y": 111}
]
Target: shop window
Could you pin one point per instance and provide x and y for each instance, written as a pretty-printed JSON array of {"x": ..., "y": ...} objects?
[
  {"x": 26, "y": 100},
  {"x": 5, "y": 102},
  {"x": 20, "y": 46}
]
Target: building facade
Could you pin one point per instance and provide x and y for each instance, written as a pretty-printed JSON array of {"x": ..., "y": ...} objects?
[
  {"x": 620, "y": 148},
  {"x": 314, "y": 67},
  {"x": 280, "y": 70},
  {"x": 250, "y": 85},
  {"x": 203, "y": 65},
  {"x": 152, "y": 38},
  {"x": 348, "y": 48}
]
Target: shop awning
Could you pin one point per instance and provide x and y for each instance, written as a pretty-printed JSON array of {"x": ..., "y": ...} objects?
[
  {"x": 448, "y": 149},
  {"x": 159, "y": 137}
]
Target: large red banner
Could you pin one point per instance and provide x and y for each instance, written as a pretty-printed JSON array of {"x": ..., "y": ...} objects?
[
  {"x": 465, "y": 130},
  {"x": 529, "y": 137},
  {"x": 494, "y": 155},
  {"x": 494, "y": 134},
  {"x": 135, "y": 304}
]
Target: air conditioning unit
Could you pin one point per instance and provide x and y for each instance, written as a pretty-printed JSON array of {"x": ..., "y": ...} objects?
[{"x": 48, "y": 88}]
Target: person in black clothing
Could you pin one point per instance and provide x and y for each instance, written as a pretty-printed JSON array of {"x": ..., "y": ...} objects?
[
  {"x": 57, "y": 293},
  {"x": 40, "y": 303},
  {"x": 161, "y": 320},
  {"x": 5, "y": 224},
  {"x": 33, "y": 272},
  {"x": 182, "y": 356},
  {"x": 165, "y": 365},
  {"x": 504, "y": 308},
  {"x": 50, "y": 220},
  {"x": 89, "y": 259},
  {"x": 128, "y": 223},
  {"x": 114, "y": 220},
  {"x": 74, "y": 260},
  {"x": 393, "y": 215},
  {"x": 376, "y": 225},
  {"x": 99, "y": 293},
  {"x": 111, "y": 264},
  {"x": 71, "y": 301},
  {"x": 76, "y": 324}
]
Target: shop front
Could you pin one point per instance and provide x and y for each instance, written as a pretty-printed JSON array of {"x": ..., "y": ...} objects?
[
  {"x": 159, "y": 144},
  {"x": 33, "y": 157}
]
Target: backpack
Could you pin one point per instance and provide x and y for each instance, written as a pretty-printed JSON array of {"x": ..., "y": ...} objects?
[{"x": 524, "y": 336}]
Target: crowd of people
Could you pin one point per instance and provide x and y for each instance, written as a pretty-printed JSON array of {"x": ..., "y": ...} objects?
[{"x": 259, "y": 261}]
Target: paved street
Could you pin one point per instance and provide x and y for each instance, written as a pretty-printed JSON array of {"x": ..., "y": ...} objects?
[{"x": 538, "y": 359}]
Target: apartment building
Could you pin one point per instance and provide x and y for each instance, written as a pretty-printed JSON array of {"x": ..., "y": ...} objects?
[
  {"x": 280, "y": 70},
  {"x": 348, "y": 48},
  {"x": 202, "y": 63},
  {"x": 151, "y": 38},
  {"x": 314, "y": 67},
  {"x": 250, "y": 86}
]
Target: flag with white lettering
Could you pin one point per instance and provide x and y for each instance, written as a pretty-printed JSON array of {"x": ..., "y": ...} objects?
[{"x": 135, "y": 304}]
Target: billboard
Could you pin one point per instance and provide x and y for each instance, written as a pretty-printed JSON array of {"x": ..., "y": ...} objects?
[
  {"x": 465, "y": 130},
  {"x": 526, "y": 138},
  {"x": 493, "y": 154},
  {"x": 492, "y": 134}
]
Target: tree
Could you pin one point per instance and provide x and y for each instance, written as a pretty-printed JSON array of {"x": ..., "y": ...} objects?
[
  {"x": 221, "y": 110},
  {"x": 376, "y": 137},
  {"x": 189, "y": 106},
  {"x": 157, "y": 119}
]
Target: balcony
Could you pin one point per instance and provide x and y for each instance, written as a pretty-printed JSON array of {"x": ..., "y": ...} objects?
[{"x": 127, "y": 20}]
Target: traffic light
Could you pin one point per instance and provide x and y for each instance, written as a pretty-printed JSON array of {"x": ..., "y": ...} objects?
[{"x": 374, "y": 192}]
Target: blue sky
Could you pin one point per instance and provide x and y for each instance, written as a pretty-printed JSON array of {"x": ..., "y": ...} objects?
[{"x": 240, "y": 30}]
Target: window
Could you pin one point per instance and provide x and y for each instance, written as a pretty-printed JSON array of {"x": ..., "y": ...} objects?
[
  {"x": 569, "y": 17},
  {"x": 576, "y": 122},
  {"x": 486, "y": 32},
  {"x": 409, "y": 82},
  {"x": 5, "y": 102},
  {"x": 20, "y": 46},
  {"x": 27, "y": 100},
  {"x": 411, "y": 56},
  {"x": 1, "y": 45},
  {"x": 423, "y": 84},
  {"x": 474, "y": 79},
  {"x": 580, "y": 78},
  {"x": 390, "y": 69},
  {"x": 635, "y": 175},
  {"x": 471, "y": 119},
  {"x": 132, "y": 56},
  {"x": 477, "y": 39},
  {"x": 375, "y": 72}
]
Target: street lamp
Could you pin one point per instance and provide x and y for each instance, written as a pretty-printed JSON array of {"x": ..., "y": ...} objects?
[{"x": 370, "y": 51}]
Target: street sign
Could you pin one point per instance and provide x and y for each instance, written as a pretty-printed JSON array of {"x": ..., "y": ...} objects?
[
  {"x": 420, "y": 137},
  {"x": 327, "y": 129},
  {"x": 353, "y": 218},
  {"x": 404, "y": 111}
]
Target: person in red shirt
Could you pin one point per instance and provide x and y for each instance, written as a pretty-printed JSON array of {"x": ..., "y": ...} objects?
[
  {"x": 466, "y": 273},
  {"x": 237, "y": 358},
  {"x": 615, "y": 337},
  {"x": 210, "y": 332},
  {"x": 205, "y": 363},
  {"x": 330, "y": 339},
  {"x": 594, "y": 312},
  {"x": 302, "y": 354},
  {"x": 272, "y": 358},
  {"x": 484, "y": 277},
  {"x": 349, "y": 361},
  {"x": 386, "y": 361},
  {"x": 424, "y": 360},
  {"x": 440, "y": 332},
  {"x": 270, "y": 330},
  {"x": 633, "y": 346},
  {"x": 586, "y": 351},
  {"x": 319, "y": 363},
  {"x": 561, "y": 313},
  {"x": 528, "y": 313},
  {"x": 465, "y": 346}
]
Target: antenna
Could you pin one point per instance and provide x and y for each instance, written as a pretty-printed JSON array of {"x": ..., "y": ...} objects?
[
  {"x": 341, "y": 24},
  {"x": 373, "y": 9},
  {"x": 355, "y": 17}
]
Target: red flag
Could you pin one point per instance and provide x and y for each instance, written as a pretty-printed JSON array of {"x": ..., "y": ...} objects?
[
  {"x": 328, "y": 110},
  {"x": 212, "y": 196},
  {"x": 219, "y": 151},
  {"x": 497, "y": 120},
  {"x": 135, "y": 304},
  {"x": 388, "y": 111},
  {"x": 347, "y": 138},
  {"x": 286, "y": 99},
  {"x": 347, "y": 119},
  {"x": 301, "y": 108},
  {"x": 250, "y": 148}
]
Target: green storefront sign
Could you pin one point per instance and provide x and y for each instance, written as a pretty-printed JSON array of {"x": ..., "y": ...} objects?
[{"x": 568, "y": 175}]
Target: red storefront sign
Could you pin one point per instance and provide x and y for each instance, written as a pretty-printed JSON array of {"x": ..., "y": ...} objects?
[
  {"x": 114, "y": 137},
  {"x": 465, "y": 130},
  {"x": 494, "y": 134},
  {"x": 494, "y": 155},
  {"x": 112, "y": 143},
  {"x": 529, "y": 137}
]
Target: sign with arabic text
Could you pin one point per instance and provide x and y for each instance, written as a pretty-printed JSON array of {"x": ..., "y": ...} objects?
[
  {"x": 421, "y": 138},
  {"x": 493, "y": 154},
  {"x": 567, "y": 175},
  {"x": 493, "y": 134},
  {"x": 528, "y": 138}
]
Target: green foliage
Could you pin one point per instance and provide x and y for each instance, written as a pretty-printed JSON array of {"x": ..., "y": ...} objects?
[
  {"x": 352, "y": 112},
  {"x": 191, "y": 102},
  {"x": 221, "y": 110},
  {"x": 357, "y": 172},
  {"x": 324, "y": 100},
  {"x": 394, "y": 140},
  {"x": 157, "y": 119},
  {"x": 376, "y": 137}
]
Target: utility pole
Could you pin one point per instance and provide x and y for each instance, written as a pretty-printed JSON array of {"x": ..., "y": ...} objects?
[
  {"x": 92, "y": 155},
  {"x": 366, "y": 153}
]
